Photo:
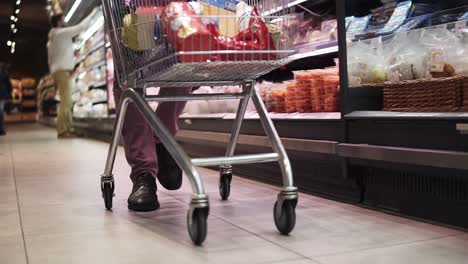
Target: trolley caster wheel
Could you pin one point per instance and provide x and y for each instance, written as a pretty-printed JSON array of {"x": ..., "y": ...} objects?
[
  {"x": 225, "y": 185},
  {"x": 197, "y": 225},
  {"x": 108, "y": 194},
  {"x": 285, "y": 216}
]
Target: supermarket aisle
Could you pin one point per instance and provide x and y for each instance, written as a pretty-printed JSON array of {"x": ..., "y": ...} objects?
[{"x": 51, "y": 212}]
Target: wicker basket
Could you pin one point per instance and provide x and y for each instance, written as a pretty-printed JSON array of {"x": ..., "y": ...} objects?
[
  {"x": 425, "y": 95},
  {"x": 465, "y": 94}
]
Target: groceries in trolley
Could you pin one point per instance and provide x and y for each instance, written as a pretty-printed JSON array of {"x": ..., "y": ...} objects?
[{"x": 202, "y": 31}]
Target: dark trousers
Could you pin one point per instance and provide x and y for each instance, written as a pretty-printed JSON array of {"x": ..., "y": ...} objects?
[{"x": 139, "y": 139}]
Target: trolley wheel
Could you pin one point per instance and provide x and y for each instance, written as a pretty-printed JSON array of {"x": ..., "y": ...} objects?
[
  {"x": 108, "y": 194},
  {"x": 285, "y": 216},
  {"x": 225, "y": 185},
  {"x": 197, "y": 226}
]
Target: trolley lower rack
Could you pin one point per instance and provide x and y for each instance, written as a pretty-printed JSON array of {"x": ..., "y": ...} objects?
[{"x": 284, "y": 208}]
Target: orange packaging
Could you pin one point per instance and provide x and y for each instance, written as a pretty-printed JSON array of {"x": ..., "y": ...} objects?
[
  {"x": 304, "y": 109},
  {"x": 332, "y": 104},
  {"x": 331, "y": 92},
  {"x": 303, "y": 93},
  {"x": 307, "y": 75},
  {"x": 318, "y": 108},
  {"x": 317, "y": 92},
  {"x": 331, "y": 80},
  {"x": 278, "y": 93},
  {"x": 279, "y": 109}
]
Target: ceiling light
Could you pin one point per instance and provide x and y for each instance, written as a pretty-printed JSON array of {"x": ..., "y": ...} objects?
[
  {"x": 9, "y": 43},
  {"x": 15, "y": 30},
  {"x": 12, "y": 26},
  {"x": 17, "y": 11},
  {"x": 12, "y": 17},
  {"x": 72, "y": 10},
  {"x": 12, "y": 50},
  {"x": 16, "y": 19},
  {"x": 13, "y": 44},
  {"x": 18, "y": 2}
]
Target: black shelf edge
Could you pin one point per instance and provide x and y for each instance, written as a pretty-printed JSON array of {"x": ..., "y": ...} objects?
[{"x": 385, "y": 115}]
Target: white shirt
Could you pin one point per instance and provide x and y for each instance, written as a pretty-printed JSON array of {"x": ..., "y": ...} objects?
[{"x": 60, "y": 46}]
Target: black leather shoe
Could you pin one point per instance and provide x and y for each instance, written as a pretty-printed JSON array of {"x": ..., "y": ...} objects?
[
  {"x": 143, "y": 197},
  {"x": 169, "y": 173}
]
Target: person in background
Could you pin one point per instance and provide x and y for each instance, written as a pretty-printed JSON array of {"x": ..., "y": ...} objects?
[
  {"x": 5, "y": 94},
  {"x": 61, "y": 64}
]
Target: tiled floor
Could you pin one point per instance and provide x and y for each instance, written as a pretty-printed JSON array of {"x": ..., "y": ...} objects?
[{"x": 51, "y": 211}]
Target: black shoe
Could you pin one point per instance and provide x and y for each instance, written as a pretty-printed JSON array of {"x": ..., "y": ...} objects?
[
  {"x": 169, "y": 173},
  {"x": 2, "y": 133},
  {"x": 143, "y": 197}
]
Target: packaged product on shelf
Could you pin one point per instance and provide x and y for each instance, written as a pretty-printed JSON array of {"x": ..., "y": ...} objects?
[
  {"x": 440, "y": 43},
  {"x": 279, "y": 96},
  {"x": 399, "y": 16},
  {"x": 28, "y": 82},
  {"x": 366, "y": 62},
  {"x": 291, "y": 97},
  {"x": 405, "y": 57},
  {"x": 331, "y": 87}
]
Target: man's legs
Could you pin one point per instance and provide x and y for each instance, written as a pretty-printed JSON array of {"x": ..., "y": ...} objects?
[
  {"x": 140, "y": 152},
  {"x": 138, "y": 140},
  {"x": 169, "y": 112},
  {"x": 63, "y": 83},
  {"x": 2, "y": 127},
  {"x": 169, "y": 173},
  {"x": 139, "y": 144}
]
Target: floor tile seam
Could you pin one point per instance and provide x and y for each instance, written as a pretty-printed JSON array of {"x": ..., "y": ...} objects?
[
  {"x": 266, "y": 239},
  {"x": 247, "y": 231},
  {"x": 414, "y": 242},
  {"x": 289, "y": 260},
  {"x": 12, "y": 161},
  {"x": 254, "y": 234}
]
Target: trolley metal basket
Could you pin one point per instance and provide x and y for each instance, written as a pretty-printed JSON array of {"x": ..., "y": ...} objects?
[{"x": 144, "y": 37}]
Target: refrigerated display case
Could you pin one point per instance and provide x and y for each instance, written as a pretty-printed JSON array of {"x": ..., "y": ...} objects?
[
  {"x": 90, "y": 93},
  {"x": 402, "y": 77},
  {"x": 47, "y": 98}
]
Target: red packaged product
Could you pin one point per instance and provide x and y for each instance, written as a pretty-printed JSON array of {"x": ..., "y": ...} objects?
[
  {"x": 186, "y": 32},
  {"x": 256, "y": 37}
]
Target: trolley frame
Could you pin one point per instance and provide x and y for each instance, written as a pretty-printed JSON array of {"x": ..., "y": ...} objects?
[{"x": 284, "y": 209}]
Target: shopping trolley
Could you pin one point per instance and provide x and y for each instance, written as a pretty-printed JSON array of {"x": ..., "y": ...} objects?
[{"x": 145, "y": 56}]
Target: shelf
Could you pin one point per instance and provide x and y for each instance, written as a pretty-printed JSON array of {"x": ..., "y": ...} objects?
[
  {"x": 95, "y": 65},
  {"x": 407, "y": 115},
  {"x": 274, "y": 116},
  {"x": 315, "y": 53},
  {"x": 276, "y": 10},
  {"x": 100, "y": 102},
  {"x": 102, "y": 84},
  {"x": 94, "y": 49},
  {"x": 45, "y": 86}
]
